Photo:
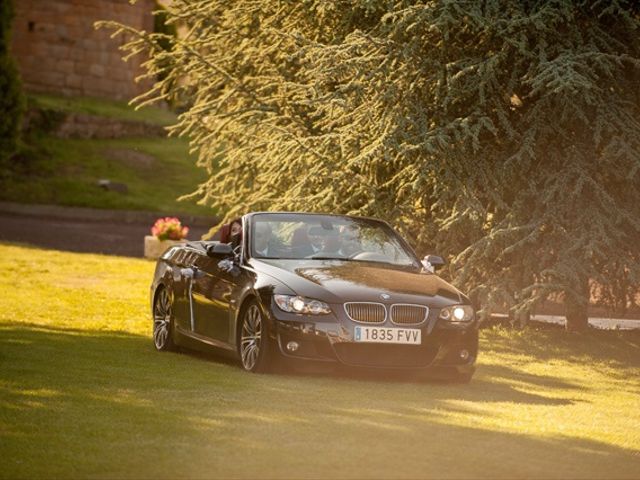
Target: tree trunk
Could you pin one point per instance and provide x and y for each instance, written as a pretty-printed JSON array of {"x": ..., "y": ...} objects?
[
  {"x": 576, "y": 308},
  {"x": 519, "y": 319},
  {"x": 523, "y": 318}
]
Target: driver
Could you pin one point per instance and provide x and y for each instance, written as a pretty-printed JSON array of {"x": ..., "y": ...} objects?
[
  {"x": 349, "y": 241},
  {"x": 317, "y": 239}
]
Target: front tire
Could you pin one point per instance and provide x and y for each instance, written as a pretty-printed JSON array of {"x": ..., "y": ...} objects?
[
  {"x": 254, "y": 346},
  {"x": 163, "y": 321}
]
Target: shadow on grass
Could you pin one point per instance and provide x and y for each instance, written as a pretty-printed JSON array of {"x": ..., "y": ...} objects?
[{"x": 78, "y": 403}]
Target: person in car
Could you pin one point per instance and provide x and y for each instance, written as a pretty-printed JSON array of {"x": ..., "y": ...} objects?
[
  {"x": 350, "y": 244},
  {"x": 301, "y": 243},
  {"x": 317, "y": 237},
  {"x": 230, "y": 230},
  {"x": 265, "y": 244},
  {"x": 306, "y": 243}
]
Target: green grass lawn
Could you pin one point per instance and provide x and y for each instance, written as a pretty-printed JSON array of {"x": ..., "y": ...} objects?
[
  {"x": 84, "y": 394},
  {"x": 157, "y": 171}
]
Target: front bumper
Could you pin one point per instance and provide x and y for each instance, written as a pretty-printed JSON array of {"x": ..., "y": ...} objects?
[{"x": 330, "y": 338}]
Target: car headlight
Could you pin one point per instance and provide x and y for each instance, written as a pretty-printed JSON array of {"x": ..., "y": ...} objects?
[
  {"x": 298, "y": 304},
  {"x": 457, "y": 313}
]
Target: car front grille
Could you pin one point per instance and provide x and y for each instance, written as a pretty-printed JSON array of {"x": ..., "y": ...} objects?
[
  {"x": 366, "y": 312},
  {"x": 407, "y": 314},
  {"x": 376, "y": 313}
]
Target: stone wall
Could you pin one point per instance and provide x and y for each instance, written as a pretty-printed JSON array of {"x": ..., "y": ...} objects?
[{"x": 59, "y": 51}]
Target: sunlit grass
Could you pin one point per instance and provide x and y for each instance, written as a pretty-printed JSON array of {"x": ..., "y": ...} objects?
[
  {"x": 65, "y": 171},
  {"x": 83, "y": 393},
  {"x": 156, "y": 171}
]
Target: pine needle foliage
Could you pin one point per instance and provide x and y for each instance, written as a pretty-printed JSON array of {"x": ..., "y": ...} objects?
[{"x": 503, "y": 134}]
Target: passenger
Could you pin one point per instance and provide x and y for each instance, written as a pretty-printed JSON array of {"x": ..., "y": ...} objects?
[
  {"x": 235, "y": 233},
  {"x": 236, "y": 227},
  {"x": 306, "y": 243},
  {"x": 229, "y": 230},
  {"x": 264, "y": 243}
]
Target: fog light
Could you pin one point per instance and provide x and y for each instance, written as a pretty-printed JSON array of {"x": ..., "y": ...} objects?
[
  {"x": 464, "y": 354},
  {"x": 292, "y": 346}
]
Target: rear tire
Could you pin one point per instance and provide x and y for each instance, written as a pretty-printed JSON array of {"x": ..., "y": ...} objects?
[{"x": 163, "y": 321}]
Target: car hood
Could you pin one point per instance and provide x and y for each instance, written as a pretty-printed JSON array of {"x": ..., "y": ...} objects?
[{"x": 338, "y": 281}]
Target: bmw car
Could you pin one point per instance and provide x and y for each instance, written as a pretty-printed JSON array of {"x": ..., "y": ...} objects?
[{"x": 317, "y": 289}]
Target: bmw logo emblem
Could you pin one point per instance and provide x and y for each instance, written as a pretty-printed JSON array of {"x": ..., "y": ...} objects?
[{"x": 385, "y": 296}]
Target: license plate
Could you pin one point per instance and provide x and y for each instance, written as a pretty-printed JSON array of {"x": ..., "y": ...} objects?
[{"x": 408, "y": 336}]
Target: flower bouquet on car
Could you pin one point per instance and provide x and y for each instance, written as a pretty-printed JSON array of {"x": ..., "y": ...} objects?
[{"x": 165, "y": 232}]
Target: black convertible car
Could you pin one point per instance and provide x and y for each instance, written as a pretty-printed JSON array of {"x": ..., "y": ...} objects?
[{"x": 314, "y": 288}]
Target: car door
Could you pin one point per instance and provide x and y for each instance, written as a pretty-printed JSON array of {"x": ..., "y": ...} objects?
[
  {"x": 211, "y": 293},
  {"x": 180, "y": 288}
]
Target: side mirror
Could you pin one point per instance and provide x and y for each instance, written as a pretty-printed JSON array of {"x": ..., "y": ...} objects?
[
  {"x": 219, "y": 250},
  {"x": 432, "y": 262}
]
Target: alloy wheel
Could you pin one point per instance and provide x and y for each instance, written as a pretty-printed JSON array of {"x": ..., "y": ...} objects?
[
  {"x": 162, "y": 321},
  {"x": 251, "y": 338}
]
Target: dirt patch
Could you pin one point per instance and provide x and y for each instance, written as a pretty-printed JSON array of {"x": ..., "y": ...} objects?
[{"x": 130, "y": 158}]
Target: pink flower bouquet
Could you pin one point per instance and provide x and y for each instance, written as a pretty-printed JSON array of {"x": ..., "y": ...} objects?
[{"x": 169, "y": 228}]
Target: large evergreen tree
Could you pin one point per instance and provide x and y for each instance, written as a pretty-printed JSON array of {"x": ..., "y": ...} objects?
[{"x": 504, "y": 134}]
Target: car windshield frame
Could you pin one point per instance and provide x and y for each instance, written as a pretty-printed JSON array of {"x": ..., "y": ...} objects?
[{"x": 315, "y": 218}]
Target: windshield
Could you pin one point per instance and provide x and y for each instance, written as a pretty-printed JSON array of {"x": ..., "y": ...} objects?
[{"x": 326, "y": 237}]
